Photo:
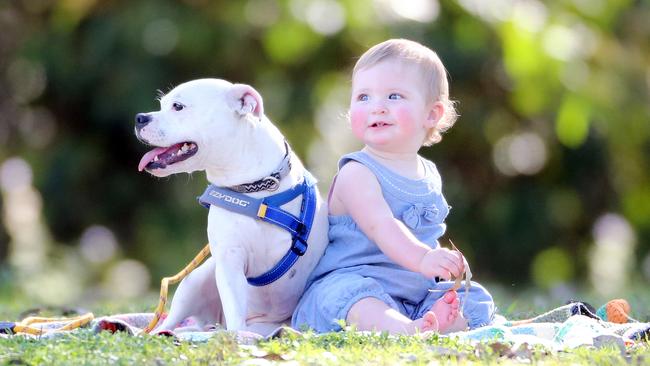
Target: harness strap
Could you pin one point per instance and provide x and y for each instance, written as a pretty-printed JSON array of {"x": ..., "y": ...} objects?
[
  {"x": 268, "y": 210},
  {"x": 299, "y": 240}
]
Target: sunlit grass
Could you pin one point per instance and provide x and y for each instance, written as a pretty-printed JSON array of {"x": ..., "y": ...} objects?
[{"x": 344, "y": 348}]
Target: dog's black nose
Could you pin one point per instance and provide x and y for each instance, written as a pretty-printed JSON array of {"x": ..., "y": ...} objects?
[{"x": 142, "y": 119}]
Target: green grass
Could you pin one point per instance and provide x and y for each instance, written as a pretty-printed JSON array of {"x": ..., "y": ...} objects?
[
  {"x": 83, "y": 347},
  {"x": 345, "y": 348}
]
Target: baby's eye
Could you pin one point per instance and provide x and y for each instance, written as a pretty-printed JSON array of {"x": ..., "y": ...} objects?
[
  {"x": 177, "y": 106},
  {"x": 395, "y": 96},
  {"x": 362, "y": 97}
]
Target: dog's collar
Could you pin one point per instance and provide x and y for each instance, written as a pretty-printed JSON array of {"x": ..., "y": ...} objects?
[{"x": 270, "y": 182}]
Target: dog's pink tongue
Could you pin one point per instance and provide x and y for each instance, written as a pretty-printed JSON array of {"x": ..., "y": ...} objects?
[{"x": 148, "y": 157}]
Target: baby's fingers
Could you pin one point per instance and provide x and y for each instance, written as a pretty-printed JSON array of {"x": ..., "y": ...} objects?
[{"x": 452, "y": 265}]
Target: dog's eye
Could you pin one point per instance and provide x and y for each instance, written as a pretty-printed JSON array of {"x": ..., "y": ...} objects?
[{"x": 177, "y": 107}]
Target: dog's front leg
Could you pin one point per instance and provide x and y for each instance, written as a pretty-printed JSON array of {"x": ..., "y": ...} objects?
[
  {"x": 195, "y": 296},
  {"x": 232, "y": 285}
]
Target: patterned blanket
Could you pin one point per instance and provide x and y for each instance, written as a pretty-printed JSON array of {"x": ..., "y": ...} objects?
[{"x": 559, "y": 329}]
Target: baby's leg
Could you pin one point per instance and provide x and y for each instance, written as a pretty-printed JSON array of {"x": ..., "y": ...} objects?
[{"x": 370, "y": 313}]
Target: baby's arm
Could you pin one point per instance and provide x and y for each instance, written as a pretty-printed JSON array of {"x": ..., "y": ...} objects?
[{"x": 358, "y": 194}]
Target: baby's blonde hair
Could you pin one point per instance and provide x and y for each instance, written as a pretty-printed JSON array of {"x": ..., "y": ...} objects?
[{"x": 433, "y": 73}]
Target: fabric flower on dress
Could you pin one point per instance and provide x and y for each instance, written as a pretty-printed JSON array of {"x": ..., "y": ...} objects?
[{"x": 418, "y": 212}]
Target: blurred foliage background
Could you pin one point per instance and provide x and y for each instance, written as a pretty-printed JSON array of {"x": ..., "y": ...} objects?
[{"x": 547, "y": 169}]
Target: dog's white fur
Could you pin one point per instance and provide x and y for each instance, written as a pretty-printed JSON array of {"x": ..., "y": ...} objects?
[{"x": 236, "y": 144}]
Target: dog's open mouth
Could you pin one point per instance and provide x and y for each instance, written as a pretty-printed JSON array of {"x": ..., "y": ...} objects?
[{"x": 161, "y": 157}]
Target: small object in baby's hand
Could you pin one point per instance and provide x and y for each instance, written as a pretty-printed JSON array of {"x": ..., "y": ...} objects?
[
  {"x": 458, "y": 280},
  {"x": 468, "y": 276}
]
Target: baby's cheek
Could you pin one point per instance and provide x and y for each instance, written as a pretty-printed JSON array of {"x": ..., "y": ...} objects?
[
  {"x": 357, "y": 114},
  {"x": 406, "y": 118},
  {"x": 403, "y": 114},
  {"x": 357, "y": 121}
]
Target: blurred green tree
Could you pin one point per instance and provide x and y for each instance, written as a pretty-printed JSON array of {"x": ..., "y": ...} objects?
[{"x": 553, "y": 97}]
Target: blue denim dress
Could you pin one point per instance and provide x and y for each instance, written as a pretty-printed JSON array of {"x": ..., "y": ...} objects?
[{"x": 353, "y": 267}]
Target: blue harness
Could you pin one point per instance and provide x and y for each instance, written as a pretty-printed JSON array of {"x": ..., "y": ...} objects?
[{"x": 268, "y": 209}]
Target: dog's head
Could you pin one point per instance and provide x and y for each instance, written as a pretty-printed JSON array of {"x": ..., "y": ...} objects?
[{"x": 194, "y": 120}]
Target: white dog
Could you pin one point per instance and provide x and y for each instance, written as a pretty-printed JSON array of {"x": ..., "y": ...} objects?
[{"x": 219, "y": 127}]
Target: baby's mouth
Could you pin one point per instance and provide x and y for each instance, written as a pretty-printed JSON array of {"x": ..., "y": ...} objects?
[
  {"x": 380, "y": 124},
  {"x": 161, "y": 157}
]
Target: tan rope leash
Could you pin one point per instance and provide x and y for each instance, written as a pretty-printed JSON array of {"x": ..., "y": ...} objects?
[
  {"x": 164, "y": 285},
  {"x": 30, "y": 325}
]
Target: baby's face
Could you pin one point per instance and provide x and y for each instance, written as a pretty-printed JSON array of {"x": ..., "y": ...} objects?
[{"x": 388, "y": 109}]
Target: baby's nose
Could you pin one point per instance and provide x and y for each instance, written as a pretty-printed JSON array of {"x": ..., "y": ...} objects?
[{"x": 379, "y": 108}]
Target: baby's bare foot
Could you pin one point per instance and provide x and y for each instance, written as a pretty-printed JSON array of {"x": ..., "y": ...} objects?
[
  {"x": 425, "y": 326},
  {"x": 459, "y": 325},
  {"x": 446, "y": 310},
  {"x": 429, "y": 322}
]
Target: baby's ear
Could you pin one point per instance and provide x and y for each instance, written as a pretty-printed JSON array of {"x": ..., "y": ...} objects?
[
  {"x": 436, "y": 111},
  {"x": 243, "y": 99}
]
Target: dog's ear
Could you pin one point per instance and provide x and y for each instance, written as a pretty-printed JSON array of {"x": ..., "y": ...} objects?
[{"x": 244, "y": 99}]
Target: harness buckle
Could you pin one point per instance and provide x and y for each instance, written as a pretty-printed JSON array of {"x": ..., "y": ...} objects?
[{"x": 299, "y": 246}]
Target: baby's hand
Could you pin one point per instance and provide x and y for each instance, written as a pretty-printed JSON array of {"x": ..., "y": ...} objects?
[{"x": 442, "y": 263}]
